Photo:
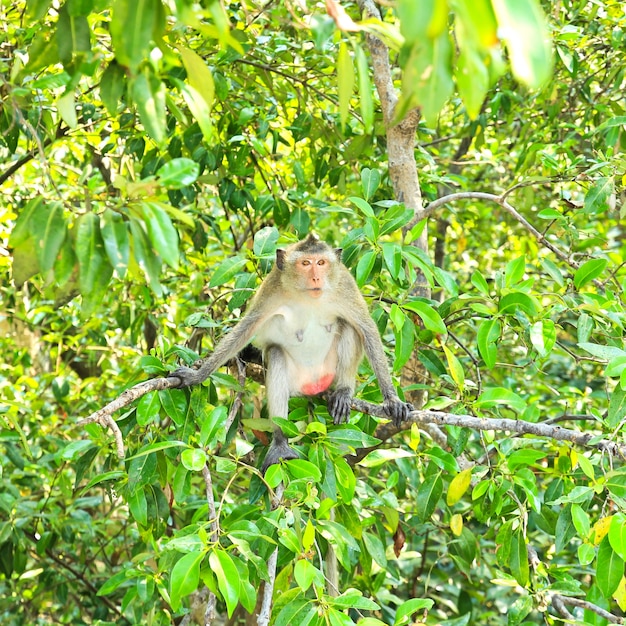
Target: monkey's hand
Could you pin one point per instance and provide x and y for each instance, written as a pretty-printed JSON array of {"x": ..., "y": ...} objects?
[
  {"x": 397, "y": 410},
  {"x": 279, "y": 450},
  {"x": 339, "y": 404},
  {"x": 187, "y": 376}
]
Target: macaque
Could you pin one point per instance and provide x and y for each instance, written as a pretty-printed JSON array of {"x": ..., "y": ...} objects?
[{"x": 312, "y": 325}]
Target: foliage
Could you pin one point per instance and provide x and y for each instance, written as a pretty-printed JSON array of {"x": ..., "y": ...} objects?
[{"x": 154, "y": 155}]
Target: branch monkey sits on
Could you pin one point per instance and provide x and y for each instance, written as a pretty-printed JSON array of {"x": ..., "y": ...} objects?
[{"x": 312, "y": 324}]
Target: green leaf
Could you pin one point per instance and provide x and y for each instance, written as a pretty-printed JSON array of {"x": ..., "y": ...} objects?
[
  {"x": 132, "y": 27},
  {"x": 174, "y": 403},
  {"x": 478, "y": 280},
  {"x": 149, "y": 262},
  {"x": 185, "y": 577},
  {"x": 138, "y": 506},
  {"x": 116, "y": 241},
  {"x": 429, "y": 316},
  {"x": 345, "y": 80},
  {"x": 149, "y": 96},
  {"x": 428, "y": 495},
  {"x": 602, "y": 352},
  {"x": 584, "y": 328},
  {"x": 115, "y": 582},
  {"x": 405, "y": 343},
  {"x": 178, "y": 173},
  {"x": 518, "y": 300},
  {"x": 499, "y": 395},
  {"x": 410, "y": 607},
  {"x": 617, "y": 534},
  {"x": 299, "y": 468},
  {"x": 363, "y": 205},
  {"x": 375, "y": 548},
  {"x": 522, "y": 25},
  {"x": 518, "y": 558},
  {"x": 306, "y": 574},
  {"x": 520, "y": 458},
  {"x": 365, "y": 88},
  {"x": 199, "y": 109},
  {"x": 519, "y": 610},
  {"x": 227, "y": 578},
  {"x": 472, "y": 79},
  {"x": 352, "y": 436},
  {"x": 346, "y": 480},
  {"x": 458, "y": 486},
  {"x": 596, "y": 198},
  {"x": 94, "y": 269},
  {"x": 589, "y": 271},
  {"x": 616, "y": 366},
  {"x": 112, "y": 86},
  {"x": 227, "y": 270},
  {"x": 514, "y": 272},
  {"x": 161, "y": 232},
  {"x": 364, "y": 267},
  {"x": 66, "y": 107},
  {"x": 487, "y": 338},
  {"x": 421, "y": 20},
  {"x": 193, "y": 459},
  {"x": 617, "y": 407},
  {"x": 580, "y": 519},
  {"x": 353, "y": 599},
  {"x": 479, "y": 23},
  {"x": 455, "y": 368},
  {"x": 73, "y": 35},
  {"x": 370, "y": 181},
  {"x": 265, "y": 241},
  {"x": 199, "y": 76},
  {"x": 49, "y": 227},
  {"x": 543, "y": 336},
  {"x": 148, "y": 408},
  {"x": 392, "y": 256},
  {"x": 427, "y": 80},
  {"x": 609, "y": 568}
]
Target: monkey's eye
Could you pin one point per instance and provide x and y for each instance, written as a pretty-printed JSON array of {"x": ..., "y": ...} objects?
[
  {"x": 306, "y": 262},
  {"x": 322, "y": 262}
]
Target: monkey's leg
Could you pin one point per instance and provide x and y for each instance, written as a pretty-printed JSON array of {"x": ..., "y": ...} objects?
[
  {"x": 349, "y": 355},
  {"x": 277, "y": 379}
]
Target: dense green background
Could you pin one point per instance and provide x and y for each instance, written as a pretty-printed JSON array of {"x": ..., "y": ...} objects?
[{"x": 153, "y": 156}]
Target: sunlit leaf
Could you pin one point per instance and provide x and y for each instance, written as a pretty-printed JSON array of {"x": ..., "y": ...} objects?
[
  {"x": 345, "y": 80},
  {"x": 522, "y": 25}
]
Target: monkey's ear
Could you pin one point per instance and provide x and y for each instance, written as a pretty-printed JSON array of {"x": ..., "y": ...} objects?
[
  {"x": 338, "y": 252},
  {"x": 280, "y": 259}
]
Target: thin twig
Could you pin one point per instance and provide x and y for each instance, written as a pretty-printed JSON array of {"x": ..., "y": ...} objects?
[
  {"x": 500, "y": 200},
  {"x": 559, "y": 600},
  {"x": 268, "y": 589}
]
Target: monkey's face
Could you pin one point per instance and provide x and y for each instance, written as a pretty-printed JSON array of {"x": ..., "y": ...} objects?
[{"x": 312, "y": 273}]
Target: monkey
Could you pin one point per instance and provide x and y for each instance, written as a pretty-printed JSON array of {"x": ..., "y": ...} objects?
[{"x": 312, "y": 325}]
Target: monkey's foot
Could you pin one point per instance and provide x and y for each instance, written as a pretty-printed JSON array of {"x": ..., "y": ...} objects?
[
  {"x": 278, "y": 450},
  {"x": 339, "y": 404},
  {"x": 187, "y": 376},
  {"x": 397, "y": 410}
]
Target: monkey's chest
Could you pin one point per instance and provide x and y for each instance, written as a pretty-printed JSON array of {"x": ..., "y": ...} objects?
[{"x": 307, "y": 339}]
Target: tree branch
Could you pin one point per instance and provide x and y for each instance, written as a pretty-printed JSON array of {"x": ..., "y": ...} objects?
[
  {"x": 521, "y": 427},
  {"x": 500, "y": 200},
  {"x": 585, "y": 439},
  {"x": 268, "y": 589},
  {"x": 558, "y": 601},
  {"x": 104, "y": 417}
]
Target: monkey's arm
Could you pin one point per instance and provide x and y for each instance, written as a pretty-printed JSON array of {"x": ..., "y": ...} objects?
[
  {"x": 228, "y": 347},
  {"x": 397, "y": 410}
]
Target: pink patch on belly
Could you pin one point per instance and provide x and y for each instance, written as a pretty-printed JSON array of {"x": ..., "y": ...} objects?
[{"x": 312, "y": 389}]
